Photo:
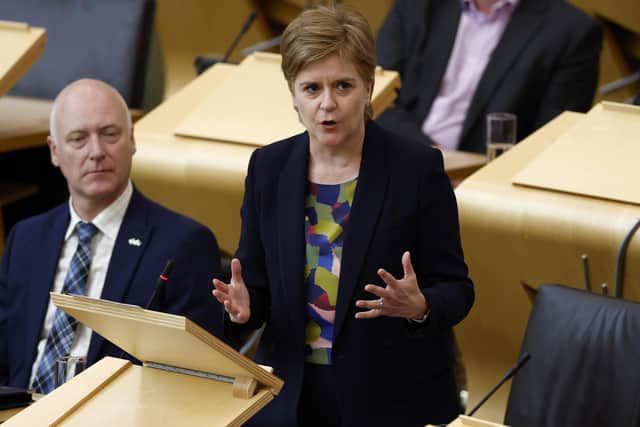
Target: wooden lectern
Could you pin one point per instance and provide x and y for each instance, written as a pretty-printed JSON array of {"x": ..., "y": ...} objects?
[
  {"x": 570, "y": 189},
  {"x": 465, "y": 421},
  {"x": 188, "y": 376}
]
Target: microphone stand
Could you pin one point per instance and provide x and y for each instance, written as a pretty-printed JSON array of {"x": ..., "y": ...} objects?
[
  {"x": 202, "y": 63},
  {"x": 519, "y": 364}
]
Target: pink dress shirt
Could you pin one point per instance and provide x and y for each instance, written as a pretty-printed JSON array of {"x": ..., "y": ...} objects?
[{"x": 477, "y": 36}]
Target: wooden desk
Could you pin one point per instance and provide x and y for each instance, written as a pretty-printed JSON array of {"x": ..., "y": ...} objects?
[
  {"x": 205, "y": 179},
  {"x": 460, "y": 164},
  {"x": 20, "y": 46},
  {"x": 24, "y": 122},
  {"x": 182, "y": 179},
  {"x": 514, "y": 235},
  {"x": 5, "y": 414}
]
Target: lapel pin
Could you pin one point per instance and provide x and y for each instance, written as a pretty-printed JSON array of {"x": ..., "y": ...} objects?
[{"x": 134, "y": 242}]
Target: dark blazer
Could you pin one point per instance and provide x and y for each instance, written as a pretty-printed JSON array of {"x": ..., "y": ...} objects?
[
  {"x": 545, "y": 63},
  {"x": 30, "y": 261},
  {"x": 388, "y": 371}
]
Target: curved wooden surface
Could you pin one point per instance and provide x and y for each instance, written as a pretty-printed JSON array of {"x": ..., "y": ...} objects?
[
  {"x": 516, "y": 238},
  {"x": 20, "y": 46},
  {"x": 204, "y": 178}
]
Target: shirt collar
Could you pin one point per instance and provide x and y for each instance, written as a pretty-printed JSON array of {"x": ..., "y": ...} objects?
[
  {"x": 471, "y": 5},
  {"x": 109, "y": 219}
]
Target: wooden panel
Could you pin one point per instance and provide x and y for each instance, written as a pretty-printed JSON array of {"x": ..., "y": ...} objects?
[
  {"x": 61, "y": 402},
  {"x": 284, "y": 11},
  {"x": 257, "y": 94},
  {"x": 162, "y": 338},
  {"x": 464, "y": 421},
  {"x": 620, "y": 21},
  {"x": 24, "y": 122},
  {"x": 115, "y": 393},
  {"x": 20, "y": 46},
  {"x": 143, "y": 396},
  {"x": 623, "y": 12},
  {"x": 189, "y": 28},
  {"x": 514, "y": 235},
  {"x": 596, "y": 158}
]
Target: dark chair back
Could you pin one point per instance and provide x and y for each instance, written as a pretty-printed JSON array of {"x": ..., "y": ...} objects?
[
  {"x": 103, "y": 39},
  {"x": 585, "y": 362}
]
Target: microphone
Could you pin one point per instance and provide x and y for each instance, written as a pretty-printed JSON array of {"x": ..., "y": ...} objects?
[
  {"x": 585, "y": 269},
  {"x": 158, "y": 293},
  {"x": 259, "y": 47},
  {"x": 204, "y": 62},
  {"x": 243, "y": 30},
  {"x": 510, "y": 373},
  {"x": 620, "y": 258}
]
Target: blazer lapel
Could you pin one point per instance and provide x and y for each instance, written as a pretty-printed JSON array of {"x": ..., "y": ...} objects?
[
  {"x": 523, "y": 25},
  {"x": 363, "y": 219},
  {"x": 124, "y": 259},
  {"x": 41, "y": 284},
  {"x": 292, "y": 191},
  {"x": 440, "y": 38}
]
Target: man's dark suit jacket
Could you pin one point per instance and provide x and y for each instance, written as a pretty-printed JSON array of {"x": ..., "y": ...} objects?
[
  {"x": 388, "y": 371},
  {"x": 545, "y": 63},
  {"x": 30, "y": 261}
]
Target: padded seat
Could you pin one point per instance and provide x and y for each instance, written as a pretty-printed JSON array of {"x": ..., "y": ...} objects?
[
  {"x": 106, "y": 40},
  {"x": 585, "y": 362}
]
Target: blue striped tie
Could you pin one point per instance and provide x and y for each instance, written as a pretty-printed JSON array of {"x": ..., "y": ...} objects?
[{"x": 61, "y": 334}]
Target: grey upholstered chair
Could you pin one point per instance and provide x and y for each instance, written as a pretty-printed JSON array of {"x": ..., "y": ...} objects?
[{"x": 108, "y": 40}]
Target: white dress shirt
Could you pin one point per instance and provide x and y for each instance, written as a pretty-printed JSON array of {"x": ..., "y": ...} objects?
[{"x": 108, "y": 224}]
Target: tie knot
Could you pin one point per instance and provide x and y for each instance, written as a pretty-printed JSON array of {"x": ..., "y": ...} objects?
[{"x": 86, "y": 231}]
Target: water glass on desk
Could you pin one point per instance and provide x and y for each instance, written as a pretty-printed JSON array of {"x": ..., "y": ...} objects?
[
  {"x": 501, "y": 133},
  {"x": 68, "y": 367}
]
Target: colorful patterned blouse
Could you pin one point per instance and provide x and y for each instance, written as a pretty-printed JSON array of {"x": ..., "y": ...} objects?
[{"x": 327, "y": 211}]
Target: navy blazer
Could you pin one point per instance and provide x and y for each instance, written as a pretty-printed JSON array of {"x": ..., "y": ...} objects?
[
  {"x": 30, "y": 261},
  {"x": 389, "y": 372},
  {"x": 546, "y": 62}
]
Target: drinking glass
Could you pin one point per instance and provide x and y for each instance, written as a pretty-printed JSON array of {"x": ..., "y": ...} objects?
[
  {"x": 68, "y": 367},
  {"x": 501, "y": 133}
]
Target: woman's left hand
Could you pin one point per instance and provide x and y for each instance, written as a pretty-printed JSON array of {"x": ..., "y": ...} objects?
[{"x": 400, "y": 298}]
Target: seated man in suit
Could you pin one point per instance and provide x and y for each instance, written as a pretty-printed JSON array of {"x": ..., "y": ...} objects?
[
  {"x": 462, "y": 59},
  {"x": 108, "y": 241}
]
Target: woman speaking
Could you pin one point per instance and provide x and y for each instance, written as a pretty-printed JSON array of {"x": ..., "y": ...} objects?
[{"x": 349, "y": 251}]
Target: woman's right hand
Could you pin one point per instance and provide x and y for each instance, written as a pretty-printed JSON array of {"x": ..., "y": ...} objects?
[{"x": 234, "y": 295}]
